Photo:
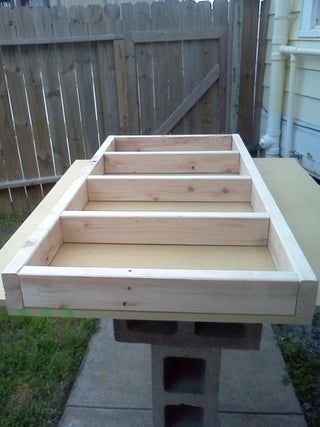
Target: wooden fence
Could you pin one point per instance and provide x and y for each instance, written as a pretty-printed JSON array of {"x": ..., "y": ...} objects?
[{"x": 70, "y": 77}]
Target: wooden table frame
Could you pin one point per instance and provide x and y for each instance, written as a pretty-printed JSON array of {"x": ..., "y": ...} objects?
[{"x": 201, "y": 168}]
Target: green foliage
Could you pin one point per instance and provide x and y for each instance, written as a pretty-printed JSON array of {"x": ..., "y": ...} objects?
[
  {"x": 39, "y": 359},
  {"x": 300, "y": 348}
]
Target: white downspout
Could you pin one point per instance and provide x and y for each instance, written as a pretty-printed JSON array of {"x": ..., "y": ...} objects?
[
  {"x": 270, "y": 142},
  {"x": 287, "y": 144},
  {"x": 287, "y": 148}
]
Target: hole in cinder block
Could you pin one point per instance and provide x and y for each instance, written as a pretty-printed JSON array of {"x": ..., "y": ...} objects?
[
  {"x": 184, "y": 375},
  {"x": 152, "y": 326},
  {"x": 183, "y": 416},
  {"x": 219, "y": 330}
]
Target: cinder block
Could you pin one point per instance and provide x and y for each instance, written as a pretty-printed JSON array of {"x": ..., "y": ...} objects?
[
  {"x": 241, "y": 336},
  {"x": 185, "y": 385}
]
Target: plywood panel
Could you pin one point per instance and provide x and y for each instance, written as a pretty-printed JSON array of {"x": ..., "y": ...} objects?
[{"x": 164, "y": 256}]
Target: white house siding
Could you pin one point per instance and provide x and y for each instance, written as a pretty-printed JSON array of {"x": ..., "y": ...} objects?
[{"x": 306, "y": 132}]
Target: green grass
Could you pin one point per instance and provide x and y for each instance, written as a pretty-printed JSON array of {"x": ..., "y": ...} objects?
[
  {"x": 300, "y": 347},
  {"x": 39, "y": 360}
]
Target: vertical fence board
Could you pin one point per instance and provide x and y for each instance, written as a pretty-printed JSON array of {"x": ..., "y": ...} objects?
[
  {"x": 78, "y": 27},
  {"x": 128, "y": 24},
  {"x": 209, "y": 57},
  {"x": 174, "y": 20},
  {"x": 79, "y": 92},
  {"x": 52, "y": 93},
  {"x": 191, "y": 65},
  {"x": 33, "y": 83},
  {"x": 220, "y": 17},
  {"x": 160, "y": 64},
  {"x": 65, "y": 61},
  {"x": 12, "y": 64},
  {"x": 234, "y": 60},
  {"x": 144, "y": 69},
  {"x": 96, "y": 26},
  {"x": 10, "y": 166},
  {"x": 113, "y": 25},
  {"x": 247, "y": 73}
]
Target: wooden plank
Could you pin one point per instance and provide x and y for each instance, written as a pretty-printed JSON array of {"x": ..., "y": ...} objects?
[
  {"x": 82, "y": 56},
  {"x": 165, "y": 228},
  {"x": 174, "y": 143},
  {"x": 167, "y": 188},
  {"x": 175, "y": 71},
  {"x": 164, "y": 290},
  {"x": 96, "y": 27},
  {"x": 130, "y": 24},
  {"x": 108, "y": 73},
  {"x": 209, "y": 58},
  {"x": 160, "y": 64},
  {"x": 188, "y": 257},
  {"x": 66, "y": 68},
  {"x": 52, "y": 93},
  {"x": 278, "y": 226},
  {"x": 247, "y": 72},
  {"x": 220, "y": 17},
  {"x": 10, "y": 166},
  {"x": 172, "y": 162},
  {"x": 155, "y": 36},
  {"x": 122, "y": 86},
  {"x": 234, "y": 62},
  {"x": 190, "y": 101},
  {"x": 191, "y": 73},
  {"x": 41, "y": 242},
  {"x": 144, "y": 71},
  {"x": 20, "y": 237},
  {"x": 60, "y": 40},
  {"x": 13, "y": 68},
  {"x": 33, "y": 84}
]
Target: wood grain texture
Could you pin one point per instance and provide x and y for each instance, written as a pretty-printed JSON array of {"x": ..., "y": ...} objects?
[
  {"x": 169, "y": 188},
  {"x": 150, "y": 290},
  {"x": 174, "y": 143},
  {"x": 172, "y": 162},
  {"x": 170, "y": 206},
  {"x": 196, "y": 228}
]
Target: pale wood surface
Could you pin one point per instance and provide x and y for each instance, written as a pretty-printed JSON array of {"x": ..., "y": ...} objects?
[
  {"x": 172, "y": 162},
  {"x": 173, "y": 143},
  {"x": 32, "y": 222},
  {"x": 164, "y": 256},
  {"x": 295, "y": 192},
  {"x": 169, "y": 188},
  {"x": 211, "y": 228},
  {"x": 153, "y": 290},
  {"x": 170, "y": 206}
]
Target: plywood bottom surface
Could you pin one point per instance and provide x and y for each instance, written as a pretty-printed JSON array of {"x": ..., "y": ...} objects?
[
  {"x": 169, "y": 206},
  {"x": 164, "y": 256}
]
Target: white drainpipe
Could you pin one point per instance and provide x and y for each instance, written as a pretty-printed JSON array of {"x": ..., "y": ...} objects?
[
  {"x": 270, "y": 142},
  {"x": 287, "y": 143},
  {"x": 287, "y": 148}
]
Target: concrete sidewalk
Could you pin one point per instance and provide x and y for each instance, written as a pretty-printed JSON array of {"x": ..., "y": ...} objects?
[{"x": 113, "y": 388}]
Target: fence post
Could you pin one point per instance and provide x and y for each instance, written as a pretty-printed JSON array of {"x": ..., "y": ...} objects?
[{"x": 250, "y": 21}]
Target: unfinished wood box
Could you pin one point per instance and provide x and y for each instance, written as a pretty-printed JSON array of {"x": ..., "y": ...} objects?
[{"x": 169, "y": 228}]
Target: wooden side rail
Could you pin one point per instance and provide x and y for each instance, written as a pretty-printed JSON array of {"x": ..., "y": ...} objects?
[{"x": 266, "y": 292}]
